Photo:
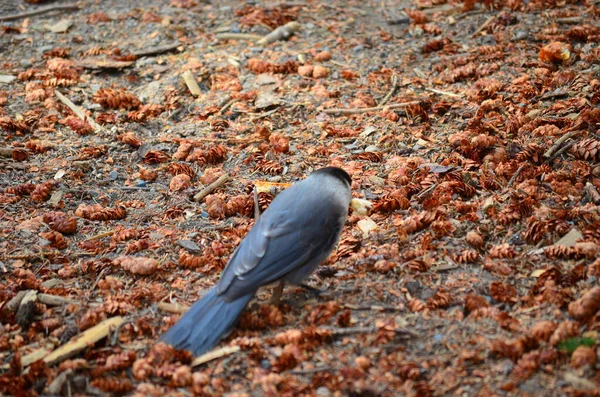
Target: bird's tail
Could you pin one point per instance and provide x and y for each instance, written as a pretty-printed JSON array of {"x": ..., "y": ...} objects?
[{"x": 206, "y": 323}]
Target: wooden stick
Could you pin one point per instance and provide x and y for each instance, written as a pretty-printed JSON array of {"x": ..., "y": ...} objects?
[
  {"x": 363, "y": 330},
  {"x": 83, "y": 340},
  {"x": 427, "y": 191},
  {"x": 213, "y": 355},
  {"x": 514, "y": 177},
  {"x": 78, "y": 111},
  {"x": 211, "y": 188},
  {"x": 56, "y": 386},
  {"x": 40, "y": 11},
  {"x": 101, "y": 235},
  {"x": 238, "y": 36},
  {"x": 560, "y": 151},
  {"x": 30, "y": 358},
  {"x": 55, "y": 300},
  {"x": 281, "y": 33},
  {"x": 265, "y": 114},
  {"x": 443, "y": 9},
  {"x": 560, "y": 141},
  {"x": 391, "y": 92},
  {"x": 174, "y": 308},
  {"x": 325, "y": 368},
  {"x": 569, "y": 20},
  {"x": 6, "y": 152},
  {"x": 15, "y": 302},
  {"x": 191, "y": 83},
  {"x": 447, "y": 93},
  {"x": 161, "y": 49},
  {"x": 376, "y": 308},
  {"x": 227, "y": 105},
  {"x": 483, "y": 26},
  {"x": 373, "y": 109}
]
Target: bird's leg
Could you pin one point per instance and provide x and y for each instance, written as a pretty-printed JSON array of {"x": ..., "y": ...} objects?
[
  {"x": 256, "y": 205},
  {"x": 277, "y": 292}
]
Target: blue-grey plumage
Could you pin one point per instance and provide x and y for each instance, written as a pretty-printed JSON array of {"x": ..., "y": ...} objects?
[{"x": 292, "y": 237}]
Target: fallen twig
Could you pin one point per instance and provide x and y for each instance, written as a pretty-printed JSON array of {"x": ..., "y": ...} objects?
[
  {"x": 78, "y": 111},
  {"x": 447, "y": 93},
  {"x": 238, "y": 36},
  {"x": 393, "y": 89},
  {"x": 40, "y": 11},
  {"x": 443, "y": 9},
  {"x": 228, "y": 105},
  {"x": 56, "y": 386},
  {"x": 190, "y": 82},
  {"x": 563, "y": 149},
  {"x": 281, "y": 33},
  {"x": 174, "y": 308},
  {"x": 483, "y": 26},
  {"x": 514, "y": 177},
  {"x": 213, "y": 355},
  {"x": 560, "y": 141},
  {"x": 161, "y": 49},
  {"x": 592, "y": 193},
  {"x": 427, "y": 191},
  {"x": 570, "y": 20},
  {"x": 325, "y": 368},
  {"x": 211, "y": 188},
  {"x": 363, "y": 330},
  {"x": 30, "y": 358},
  {"x": 6, "y": 152},
  {"x": 101, "y": 235},
  {"x": 265, "y": 114},
  {"x": 373, "y": 109},
  {"x": 55, "y": 300},
  {"x": 443, "y": 268},
  {"x": 99, "y": 64},
  {"x": 377, "y": 308},
  {"x": 15, "y": 302},
  {"x": 14, "y": 166},
  {"x": 83, "y": 340}
]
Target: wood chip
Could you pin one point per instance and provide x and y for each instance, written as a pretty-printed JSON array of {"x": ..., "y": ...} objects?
[
  {"x": 191, "y": 83},
  {"x": 213, "y": 355}
]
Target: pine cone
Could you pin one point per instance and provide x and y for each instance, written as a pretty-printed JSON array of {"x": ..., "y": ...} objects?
[
  {"x": 587, "y": 149},
  {"x": 116, "y": 99}
]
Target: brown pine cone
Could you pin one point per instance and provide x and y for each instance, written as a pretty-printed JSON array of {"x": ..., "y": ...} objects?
[
  {"x": 116, "y": 99},
  {"x": 587, "y": 149}
]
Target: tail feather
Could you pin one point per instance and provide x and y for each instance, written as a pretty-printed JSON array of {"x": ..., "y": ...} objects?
[{"x": 206, "y": 323}]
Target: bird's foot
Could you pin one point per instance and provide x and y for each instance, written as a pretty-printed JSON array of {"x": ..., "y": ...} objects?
[
  {"x": 315, "y": 291},
  {"x": 277, "y": 292}
]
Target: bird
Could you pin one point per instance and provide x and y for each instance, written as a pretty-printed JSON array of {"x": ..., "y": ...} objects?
[{"x": 294, "y": 235}]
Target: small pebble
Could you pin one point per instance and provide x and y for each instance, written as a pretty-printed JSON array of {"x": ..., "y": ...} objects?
[
  {"x": 114, "y": 175},
  {"x": 140, "y": 183},
  {"x": 521, "y": 34},
  {"x": 323, "y": 392},
  {"x": 266, "y": 364}
]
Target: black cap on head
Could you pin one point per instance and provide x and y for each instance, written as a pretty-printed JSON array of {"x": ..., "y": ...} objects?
[{"x": 335, "y": 172}]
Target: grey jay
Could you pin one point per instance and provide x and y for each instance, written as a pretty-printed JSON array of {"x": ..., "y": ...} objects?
[{"x": 288, "y": 242}]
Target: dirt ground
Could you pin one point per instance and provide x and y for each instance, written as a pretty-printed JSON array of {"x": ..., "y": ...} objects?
[{"x": 473, "y": 128}]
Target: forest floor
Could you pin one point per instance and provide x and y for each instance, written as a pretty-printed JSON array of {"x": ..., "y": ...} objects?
[{"x": 472, "y": 128}]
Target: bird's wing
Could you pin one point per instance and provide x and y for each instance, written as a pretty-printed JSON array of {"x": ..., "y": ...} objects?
[{"x": 276, "y": 247}]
